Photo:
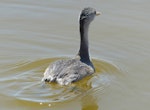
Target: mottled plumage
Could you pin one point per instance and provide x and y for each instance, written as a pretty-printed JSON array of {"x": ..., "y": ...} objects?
[{"x": 67, "y": 71}]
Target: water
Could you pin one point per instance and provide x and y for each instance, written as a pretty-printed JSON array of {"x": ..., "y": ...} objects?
[{"x": 35, "y": 33}]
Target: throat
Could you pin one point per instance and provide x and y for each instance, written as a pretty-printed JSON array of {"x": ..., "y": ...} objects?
[{"x": 84, "y": 44}]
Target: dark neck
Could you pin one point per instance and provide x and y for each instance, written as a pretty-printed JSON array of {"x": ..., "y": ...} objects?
[{"x": 84, "y": 45}]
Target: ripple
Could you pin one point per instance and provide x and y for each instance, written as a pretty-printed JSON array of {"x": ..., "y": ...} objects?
[{"x": 25, "y": 83}]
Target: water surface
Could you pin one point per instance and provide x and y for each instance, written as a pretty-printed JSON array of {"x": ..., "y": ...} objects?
[{"x": 35, "y": 33}]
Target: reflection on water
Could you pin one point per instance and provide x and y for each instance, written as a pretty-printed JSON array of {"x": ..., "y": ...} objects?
[
  {"x": 34, "y": 33},
  {"x": 25, "y": 84},
  {"x": 89, "y": 103}
]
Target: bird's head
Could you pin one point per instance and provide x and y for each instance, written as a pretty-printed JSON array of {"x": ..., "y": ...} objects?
[{"x": 88, "y": 14}]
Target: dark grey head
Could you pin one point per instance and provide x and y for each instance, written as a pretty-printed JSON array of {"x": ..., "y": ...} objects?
[{"x": 88, "y": 14}]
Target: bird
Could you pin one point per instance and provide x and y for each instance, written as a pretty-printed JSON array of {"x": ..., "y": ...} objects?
[{"x": 67, "y": 71}]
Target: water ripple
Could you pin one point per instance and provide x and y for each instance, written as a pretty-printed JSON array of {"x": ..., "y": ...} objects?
[{"x": 26, "y": 83}]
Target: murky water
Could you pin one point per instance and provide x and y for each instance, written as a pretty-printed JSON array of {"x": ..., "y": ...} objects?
[{"x": 35, "y": 33}]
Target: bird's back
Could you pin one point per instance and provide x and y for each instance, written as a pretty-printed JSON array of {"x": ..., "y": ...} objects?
[{"x": 67, "y": 71}]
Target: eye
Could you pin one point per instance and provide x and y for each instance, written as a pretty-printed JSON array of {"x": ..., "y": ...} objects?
[{"x": 87, "y": 15}]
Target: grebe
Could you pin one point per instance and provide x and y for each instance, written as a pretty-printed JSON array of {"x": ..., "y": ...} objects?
[{"x": 67, "y": 71}]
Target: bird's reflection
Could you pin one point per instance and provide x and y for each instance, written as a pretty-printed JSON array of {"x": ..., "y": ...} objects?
[{"x": 89, "y": 103}]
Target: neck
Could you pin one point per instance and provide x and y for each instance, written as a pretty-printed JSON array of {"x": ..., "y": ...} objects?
[{"x": 84, "y": 45}]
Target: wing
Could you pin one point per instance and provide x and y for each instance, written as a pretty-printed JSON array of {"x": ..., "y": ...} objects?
[
  {"x": 74, "y": 72},
  {"x": 67, "y": 71}
]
